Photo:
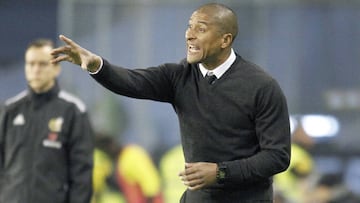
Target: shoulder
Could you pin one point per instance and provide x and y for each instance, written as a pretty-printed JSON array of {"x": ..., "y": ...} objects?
[
  {"x": 255, "y": 70},
  {"x": 17, "y": 98},
  {"x": 177, "y": 72},
  {"x": 253, "y": 73},
  {"x": 182, "y": 65},
  {"x": 72, "y": 99},
  {"x": 182, "y": 68}
]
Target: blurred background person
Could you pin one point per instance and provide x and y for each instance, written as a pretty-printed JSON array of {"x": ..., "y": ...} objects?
[
  {"x": 103, "y": 190},
  {"x": 293, "y": 184},
  {"x": 135, "y": 173},
  {"x": 171, "y": 163},
  {"x": 46, "y": 140},
  {"x": 330, "y": 188}
]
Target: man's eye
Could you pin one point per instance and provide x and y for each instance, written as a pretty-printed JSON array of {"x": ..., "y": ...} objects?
[
  {"x": 43, "y": 64},
  {"x": 202, "y": 29}
]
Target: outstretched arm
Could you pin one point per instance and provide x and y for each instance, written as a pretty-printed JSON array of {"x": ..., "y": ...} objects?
[{"x": 76, "y": 54}]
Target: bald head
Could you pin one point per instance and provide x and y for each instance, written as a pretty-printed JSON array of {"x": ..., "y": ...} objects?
[{"x": 223, "y": 16}]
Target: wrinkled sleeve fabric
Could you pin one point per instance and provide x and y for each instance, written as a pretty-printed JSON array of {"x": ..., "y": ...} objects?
[
  {"x": 273, "y": 133},
  {"x": 152, "y": 83}
]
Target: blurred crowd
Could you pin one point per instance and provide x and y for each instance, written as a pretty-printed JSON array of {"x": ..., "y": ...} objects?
[
  {"x": 128, "y": 173},
  {"x": 303, "y": 183}
]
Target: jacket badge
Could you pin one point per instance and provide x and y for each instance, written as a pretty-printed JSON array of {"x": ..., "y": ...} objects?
[
  {"x": 55, "y": 126},
  {"x": 19, "y": 120}
]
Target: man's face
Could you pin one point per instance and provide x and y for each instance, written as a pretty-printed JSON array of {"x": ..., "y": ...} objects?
[
  {"x": 39, "y": 72},
  {"x": 204, "y": 40}
]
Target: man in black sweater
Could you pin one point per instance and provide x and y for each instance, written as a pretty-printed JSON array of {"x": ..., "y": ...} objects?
[{"x": 234, "y": 127}]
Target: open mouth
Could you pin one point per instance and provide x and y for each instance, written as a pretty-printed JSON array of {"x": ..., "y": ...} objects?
[{"x": 193, "y": 49}]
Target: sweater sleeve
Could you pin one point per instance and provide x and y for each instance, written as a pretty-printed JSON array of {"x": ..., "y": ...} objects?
[
  {"x": 152, "y": 83},
  {"x": 273, "y": 133}
]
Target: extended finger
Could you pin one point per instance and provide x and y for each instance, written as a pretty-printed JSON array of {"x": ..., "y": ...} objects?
[
  {"x": 68, "y": 41},
  {"x": 60, "y": 58},
  {"x": 61, "y": 50}
]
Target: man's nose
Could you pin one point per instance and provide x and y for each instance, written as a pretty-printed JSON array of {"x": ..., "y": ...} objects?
[
  {"x": 36, "y": 67},
  {"x": 189, "y": 34}
]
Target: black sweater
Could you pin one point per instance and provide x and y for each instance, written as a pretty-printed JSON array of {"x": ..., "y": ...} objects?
[{"x": 242, "y": 120}]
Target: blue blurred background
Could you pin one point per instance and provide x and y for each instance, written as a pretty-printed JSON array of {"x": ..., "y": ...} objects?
[{"x": 311, "y": 47}]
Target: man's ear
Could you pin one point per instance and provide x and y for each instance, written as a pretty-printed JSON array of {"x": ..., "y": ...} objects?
[{"x": 227, "y": 40}]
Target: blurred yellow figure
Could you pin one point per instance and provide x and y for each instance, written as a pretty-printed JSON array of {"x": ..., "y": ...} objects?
[
  {"x": 138, "y": 176},
  {"x": 103, "y": 168},
  {"x": 170, "y": 164},
  {"x": 293, "y": 182}
]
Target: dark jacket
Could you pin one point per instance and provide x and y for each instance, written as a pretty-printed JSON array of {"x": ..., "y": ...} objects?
[{"x": 46, "y": 145}]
